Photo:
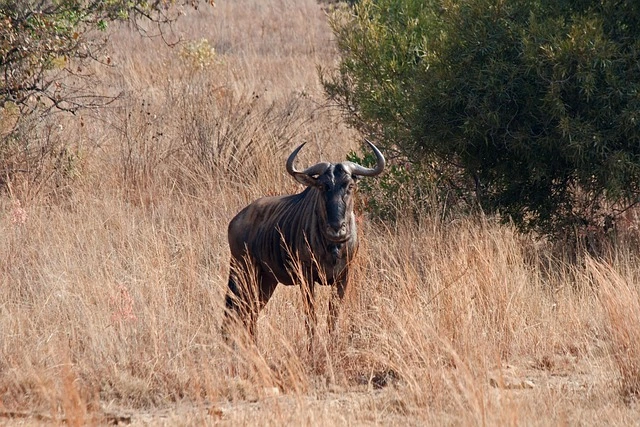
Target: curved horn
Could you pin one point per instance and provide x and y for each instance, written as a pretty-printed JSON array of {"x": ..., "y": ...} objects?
[
  {"x": 356, "y": 169},
  {"x": 317, "y": 169}
]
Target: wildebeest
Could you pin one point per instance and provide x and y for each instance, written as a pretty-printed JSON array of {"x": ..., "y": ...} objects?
[{"x": 296, "y": 239}]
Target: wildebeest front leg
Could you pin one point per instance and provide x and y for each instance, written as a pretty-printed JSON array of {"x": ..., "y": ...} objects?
[
  {"x": 308, "y": 298},
  {"x": 336, "y": 301}
]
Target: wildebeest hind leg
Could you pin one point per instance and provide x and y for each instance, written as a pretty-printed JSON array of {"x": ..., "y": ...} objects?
[
  {"x": 267, "y": 287},
  {"x": 235, "y": 310},
  {"x": 245, "y": 298},
  {"x": 241, "y": 301}
]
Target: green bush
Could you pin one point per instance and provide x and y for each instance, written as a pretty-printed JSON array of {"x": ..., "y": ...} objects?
[
  {"x": 394, "y": 193},
  {"x": 530, "y": 109}
]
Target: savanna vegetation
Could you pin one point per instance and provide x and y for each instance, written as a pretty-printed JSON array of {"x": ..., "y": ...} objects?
[{"x": 114, "y": 261}]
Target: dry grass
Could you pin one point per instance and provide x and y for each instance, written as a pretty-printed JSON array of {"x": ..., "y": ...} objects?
[{"x": 112, "y": 280}]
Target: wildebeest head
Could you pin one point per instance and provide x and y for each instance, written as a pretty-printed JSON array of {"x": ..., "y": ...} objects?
[{"x": 335, "y": 183}]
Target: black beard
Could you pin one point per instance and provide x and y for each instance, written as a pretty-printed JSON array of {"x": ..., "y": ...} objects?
[{"x": 335, "y": 249}]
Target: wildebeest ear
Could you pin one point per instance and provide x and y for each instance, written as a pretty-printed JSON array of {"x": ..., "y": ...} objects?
[{"x": 305, "y": 179}]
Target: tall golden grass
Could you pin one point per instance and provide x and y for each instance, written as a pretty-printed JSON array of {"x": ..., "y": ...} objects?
[{"x": 112, "y": 279}]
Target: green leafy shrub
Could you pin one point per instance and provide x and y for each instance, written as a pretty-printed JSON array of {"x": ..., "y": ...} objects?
[
  {"x": 529, "y": 109},
  {"x": 405, "y": 190}
]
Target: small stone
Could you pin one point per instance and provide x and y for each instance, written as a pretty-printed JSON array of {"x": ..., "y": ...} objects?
[{"x": 271, "y": 391}]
